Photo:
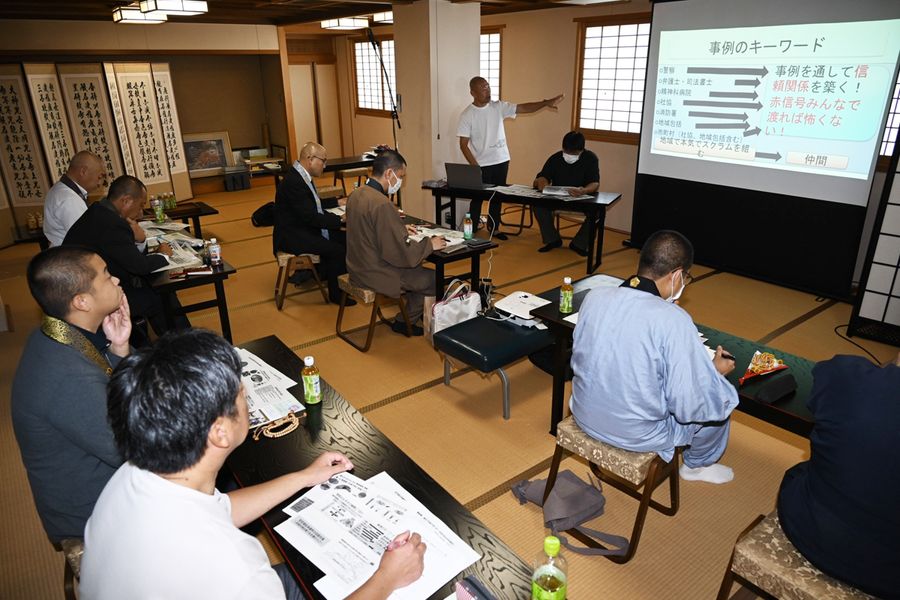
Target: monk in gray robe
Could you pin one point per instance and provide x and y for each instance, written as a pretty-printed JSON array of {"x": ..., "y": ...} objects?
[{"x": 380, "y": 255}]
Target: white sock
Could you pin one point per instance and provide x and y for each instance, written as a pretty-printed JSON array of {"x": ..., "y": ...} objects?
[{"x": 714, "y": 473}]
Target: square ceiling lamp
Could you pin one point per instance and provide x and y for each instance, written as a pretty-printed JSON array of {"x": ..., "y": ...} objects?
[
  {"x": 346, "y": 23},
  {"x": 132, "y": 14},
  {"x": 181, "y": 8},
  {"x": 383, "y": 17}
]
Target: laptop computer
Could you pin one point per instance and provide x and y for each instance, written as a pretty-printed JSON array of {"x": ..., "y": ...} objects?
[{"x": 465, "y": 176}]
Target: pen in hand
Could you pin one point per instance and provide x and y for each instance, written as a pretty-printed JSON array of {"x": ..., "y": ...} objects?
[
  {"x": 728, "y": 356},
  {"x": 398, "y": 541}
]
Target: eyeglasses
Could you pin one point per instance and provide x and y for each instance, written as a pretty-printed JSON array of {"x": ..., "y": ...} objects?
[
  {"x": 324, "y": 160},
  {"x": 688, "y": 278}
]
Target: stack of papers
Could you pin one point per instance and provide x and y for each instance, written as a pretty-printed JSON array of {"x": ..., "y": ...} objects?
[
  {"x": 710, "y": 351},
  {"x": 558, "y": 192},
  {"x": 453, "y": 238},
  {"x": 344, "y": 525},
  {"x": 520, "y": 304},
  {"x": 266, "y": 390}
]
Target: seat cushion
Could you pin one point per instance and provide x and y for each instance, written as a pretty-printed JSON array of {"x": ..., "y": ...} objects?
[
  {"x": 766, "y": 558},
  {"x": 360, "y": 293},
  {"x": 284, "y": 257},
  {"x": 488, "y": 345},
  {"x": 357, "y": 172},
  {"x": 631, "y": 466},
  {"x": 73, "y": 549}
]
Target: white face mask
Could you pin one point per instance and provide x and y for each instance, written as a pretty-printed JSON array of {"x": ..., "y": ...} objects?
[
  {"x": 570, "y": 158},
  {"x": 680, "y": 291},
  {"x": 392, "y": 189}
]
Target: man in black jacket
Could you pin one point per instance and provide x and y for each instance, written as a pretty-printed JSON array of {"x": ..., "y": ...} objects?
[
  {"x": 104, "y": 228},
  {"x": 302, "y": 223}
]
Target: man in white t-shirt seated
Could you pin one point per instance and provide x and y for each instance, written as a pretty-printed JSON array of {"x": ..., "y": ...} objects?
[
  {"x": 482, "y": 139},
  {"x": 160, "y": 529}
]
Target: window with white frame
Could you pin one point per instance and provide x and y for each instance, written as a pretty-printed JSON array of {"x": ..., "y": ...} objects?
[
  {"x": 490, "y": 61},
  {"x": 892, "y": 126},
  {"x": 611, "y": 79},
  {"x": 372, "y": 90}
]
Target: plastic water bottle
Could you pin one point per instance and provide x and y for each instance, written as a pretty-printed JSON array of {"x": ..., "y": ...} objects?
[
  {"x": 312, "y": 391},
  {"x": 158, "y": 209},
  {"x": 549, "y": 580},
  {"x": 215, "y": 252},
  {"x": 566, "y": 292},
  {"x": 467, "y": 227}
]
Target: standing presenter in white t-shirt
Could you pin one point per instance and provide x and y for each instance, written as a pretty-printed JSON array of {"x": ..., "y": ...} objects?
[{"x": 482, "y": 140}]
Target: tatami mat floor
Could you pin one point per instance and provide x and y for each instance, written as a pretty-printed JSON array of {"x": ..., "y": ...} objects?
[{"x": 457, "y": 433}]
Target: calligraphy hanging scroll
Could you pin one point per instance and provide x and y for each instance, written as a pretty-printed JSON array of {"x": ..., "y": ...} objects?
[
  {"x": 88, "y": 108},
  {"x": 22, "y": 163},
  {"x": 171, "y": 128},
  {"x": 118, "y": 116},
  {"x": 138, "y": 97},
  {"x": 50, "y": 115}
]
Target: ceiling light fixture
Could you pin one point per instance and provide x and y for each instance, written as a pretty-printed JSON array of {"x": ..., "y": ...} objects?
[
  {"x": 383, "y": 17},
  {"x": 346, "y": 23},
  {"x": 132, "y": 14},
  {"x": 181, "y": 8}
]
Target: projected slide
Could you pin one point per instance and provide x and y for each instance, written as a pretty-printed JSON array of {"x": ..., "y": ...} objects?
[{"x": 805, "y": 98}]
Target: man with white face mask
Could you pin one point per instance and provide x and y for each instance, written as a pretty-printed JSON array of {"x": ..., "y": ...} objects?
[
  {"x": 643, "y": 380},
  {"x": 380, "y": 255},
  {"x": 575, "y": 167}
]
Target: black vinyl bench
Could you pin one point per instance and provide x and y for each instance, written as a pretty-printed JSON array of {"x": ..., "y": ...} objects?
[{"x": 489, "y": 345}]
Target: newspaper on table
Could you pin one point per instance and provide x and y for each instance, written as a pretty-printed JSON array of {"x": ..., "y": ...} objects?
[
  {"x": 344, "y": 525},
  {"x": 452, "y": 237},
  {"x": 518, "y": 189},
  {"x": 266, "y": 390},
  {"x": 164, "y": 226}
]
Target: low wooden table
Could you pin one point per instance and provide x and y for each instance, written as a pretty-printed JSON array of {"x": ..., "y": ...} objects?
[
  {"x": 165, "y": 286},
  {"x": 335, "y": 425},
  {"x": 187, "y": 210}
]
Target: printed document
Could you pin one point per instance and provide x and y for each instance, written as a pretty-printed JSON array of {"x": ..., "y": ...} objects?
[
  {"x": 344, "y": 525},
  {"x": 266, "y": 390}
]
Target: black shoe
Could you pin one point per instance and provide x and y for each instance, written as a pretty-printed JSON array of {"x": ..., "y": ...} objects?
[
  {"x": 400, "y": 327},
  {"x": 550, "y": 246},
  {"x": 577, "y": 250},
  {"x": 337, "y": 300},
  {"x": 500, "y": 236},
  {"x": 300, "y": 277}
]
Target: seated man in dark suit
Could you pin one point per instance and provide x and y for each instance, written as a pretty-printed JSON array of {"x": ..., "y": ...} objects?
[
  {"x": 572, "y": 167},
  {"x": 839, "y": 508},
  {"x": 303, "y": 226},
  {"x": 59, "y": 390},
  {"x": 105, "y": 229}
]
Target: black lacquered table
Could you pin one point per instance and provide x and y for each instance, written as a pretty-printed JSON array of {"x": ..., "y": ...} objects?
[
  {"x": 789, "y": 413},
  {"x": 441, "y": 258},
  {"x": 166, "y": 286},
  {"x": 335, "y": 425},
  {"x": 593, "y": 208},
  {"x": 189, "y": 210}
]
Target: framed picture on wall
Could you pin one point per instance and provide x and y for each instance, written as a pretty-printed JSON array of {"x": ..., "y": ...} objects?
[{"x": 207, "y": 154}]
